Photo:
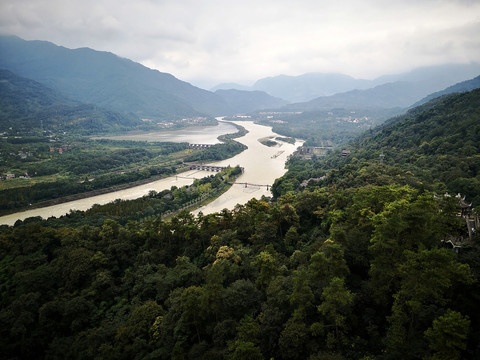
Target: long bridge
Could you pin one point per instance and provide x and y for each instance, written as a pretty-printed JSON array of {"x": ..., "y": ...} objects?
[
  {"x": 247, "y": 184},
  {"x": 209, "y": 167},
  {"x": 200, "y": 146}
]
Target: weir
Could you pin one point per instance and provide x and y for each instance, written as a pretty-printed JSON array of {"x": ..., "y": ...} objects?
[
  {"x": 199, "y": 146},
  {"x": 209, "y": 167}
]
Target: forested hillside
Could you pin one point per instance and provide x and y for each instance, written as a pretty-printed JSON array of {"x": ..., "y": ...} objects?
[
  {"x": 26, "y": 106},
  {"x": 356, "y": 265},
  {"x": 436, "y": 145}
]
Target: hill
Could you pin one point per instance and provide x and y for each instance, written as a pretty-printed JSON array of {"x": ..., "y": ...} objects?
[
  {"x": 247, "y": 101},
  {"x": 309, "y": 86},
  {"x": 402, "y": 93},
  {"x": 26, "y": 105},
  {"x": 437, "y": 143},
  {"x": 306, "y": 87},
  {"x": 355, "y": 265},
  {"x": 390, "y": 95},
  {"x": 229, "y": 86},
  {"x": 107, "y": 80}
]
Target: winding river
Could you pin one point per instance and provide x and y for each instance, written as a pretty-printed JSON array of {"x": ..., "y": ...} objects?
[{"x": 262, "y": 165}]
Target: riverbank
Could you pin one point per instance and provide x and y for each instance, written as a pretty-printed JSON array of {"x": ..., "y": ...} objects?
[
  {"x": 262, "y": 165},
  {"x": 44, "y": 195},
  {"x": 93, "y": 193}
]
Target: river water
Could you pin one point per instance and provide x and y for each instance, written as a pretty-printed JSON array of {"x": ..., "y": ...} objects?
[
  {"x": 262, "y": 166},
  {"x": 193, "y": 134}
]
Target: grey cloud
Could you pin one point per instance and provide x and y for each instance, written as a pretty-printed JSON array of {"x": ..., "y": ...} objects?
[{"x": 243, "y": 41}]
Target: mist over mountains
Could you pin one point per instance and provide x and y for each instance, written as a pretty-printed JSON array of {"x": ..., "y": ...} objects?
[
  {"x": 129, "y": 88},
  {"x": 310, "y": 86},
  {"x": 107, "y": 80}
]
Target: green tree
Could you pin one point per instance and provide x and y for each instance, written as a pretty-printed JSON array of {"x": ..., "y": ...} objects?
[
  {"x": 337, "y": 303},
  {"x": 266, "y": 264},
  {"x": 447, "y": 336},
  {"x": 428, "y": 279},
  {"x": 243, "y": 350}
]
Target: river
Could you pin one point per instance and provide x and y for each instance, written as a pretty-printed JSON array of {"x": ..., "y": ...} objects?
[
  {"x": 262, "y": 166},
  {"x": 193, "y": 134}
]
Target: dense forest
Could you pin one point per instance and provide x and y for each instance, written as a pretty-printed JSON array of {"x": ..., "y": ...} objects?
[
  {"x": 354, "y": 263},
  {"x": 435, "y": 146},
  {"x": 27, "y": 105}
]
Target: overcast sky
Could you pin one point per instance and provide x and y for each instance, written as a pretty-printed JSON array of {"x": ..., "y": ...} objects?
[{"x": 207, "y": 42}]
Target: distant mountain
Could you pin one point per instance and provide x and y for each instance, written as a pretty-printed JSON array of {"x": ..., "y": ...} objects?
[
  {"x": 229, "y": 86},
  {"x": 403, "y": 93},
  {"x": 463, "y": 86},
  {"x": 247, "y": 101},
  {"x": 391, "y": 95},
  {"x": 26, "y": 105},
  {"x": 438, "y": 75},
  {"x": 107, "y": 80},
  {"x": 309, "y": 86}
]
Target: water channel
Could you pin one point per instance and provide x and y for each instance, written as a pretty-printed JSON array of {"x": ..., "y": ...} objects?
[
  {"x": 262, "y": 166},
  {"x": 193, "y": 134}
]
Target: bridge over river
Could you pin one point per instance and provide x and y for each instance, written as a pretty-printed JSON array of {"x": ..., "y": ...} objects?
[
  {"x": 247, "y": 184},
  {"x": 209, "y": 167}
]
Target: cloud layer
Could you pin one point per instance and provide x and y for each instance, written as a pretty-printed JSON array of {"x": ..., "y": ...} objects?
[{"x": 210, "y": 41}]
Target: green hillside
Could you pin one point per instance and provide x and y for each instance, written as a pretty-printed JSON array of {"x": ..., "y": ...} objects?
[
  {"x": 436, "y": 145},
  {"x": 26, "y": 105},
  {"x": 356, "y": 265},
  {"x": 439, "y": 142}
]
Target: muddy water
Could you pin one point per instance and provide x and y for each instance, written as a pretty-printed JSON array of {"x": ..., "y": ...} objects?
[{"x": 262, "y": 166}]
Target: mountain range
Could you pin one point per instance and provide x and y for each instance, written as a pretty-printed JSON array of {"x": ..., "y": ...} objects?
[
  {"x": 107, "y": 80},
  {"x": 463, "y": 86},
  {"x": 242, "y": 101},
  {"x": 127, "y": 88},
  {"x": 310, "y": 86}
]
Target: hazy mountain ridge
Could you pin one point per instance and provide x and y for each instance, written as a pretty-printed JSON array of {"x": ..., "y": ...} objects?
[
  {"x": 402, "y": 93},
  {"x": 231, "y": 86},
  {"x": 463, "y": 86},
  {"x": 391, "y": 95},
  {"x": 241, "y": 101},
  {"x": 122, "y": 85},
  {"x": 310, "y": 86}
]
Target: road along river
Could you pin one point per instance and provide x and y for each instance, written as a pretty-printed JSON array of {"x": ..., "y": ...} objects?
[{"x": 262, "y": 166}]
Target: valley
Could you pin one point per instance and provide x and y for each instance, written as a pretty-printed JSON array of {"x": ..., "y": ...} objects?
[
  {"x": 362, "y": 245},
  {"x": 257, "y": 161}
]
